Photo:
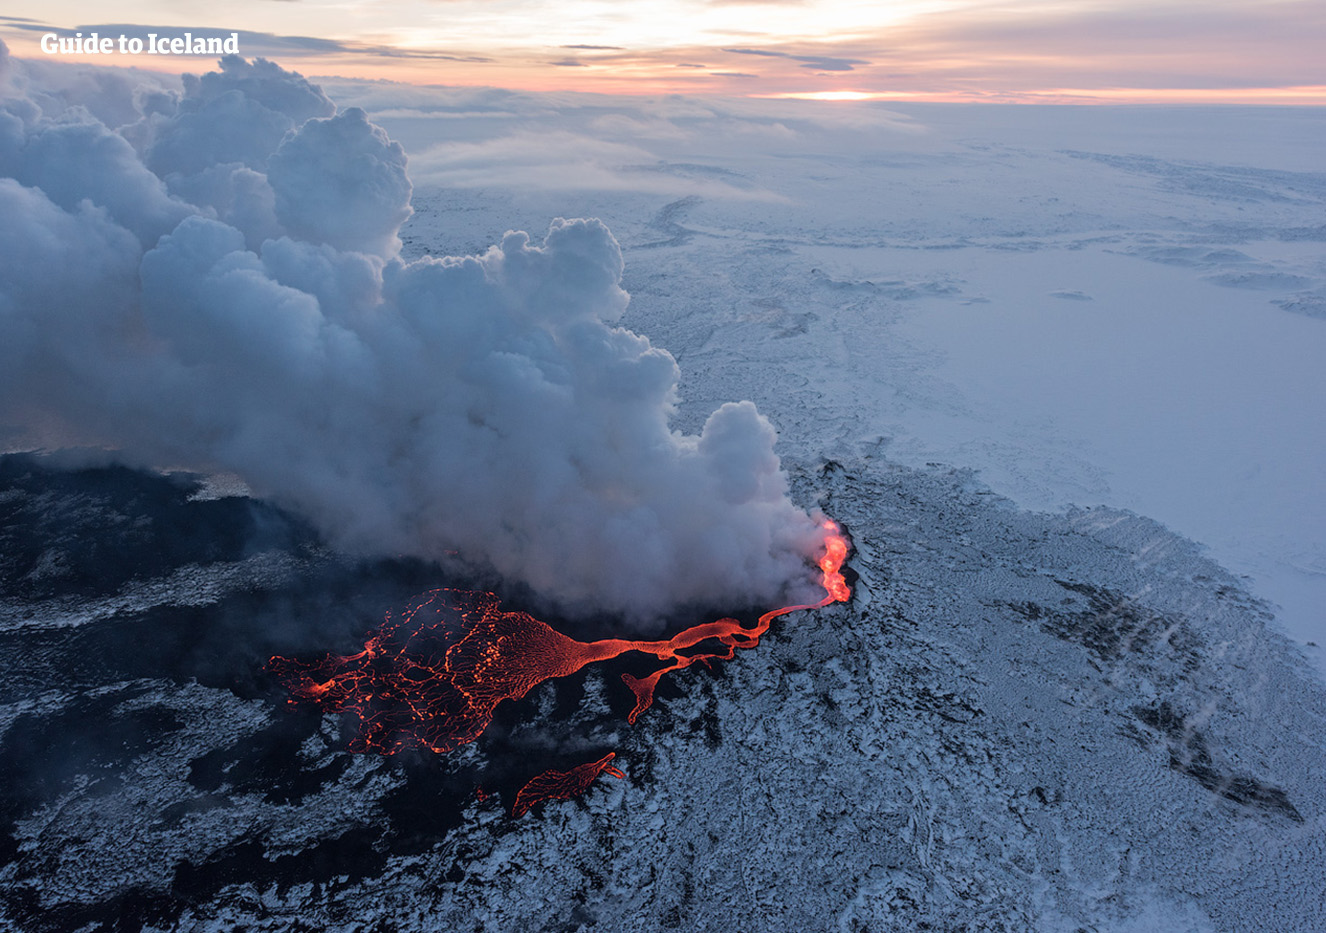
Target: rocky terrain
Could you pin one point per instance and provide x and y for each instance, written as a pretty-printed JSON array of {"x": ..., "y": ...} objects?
[{"x": 1021, "y": 721}]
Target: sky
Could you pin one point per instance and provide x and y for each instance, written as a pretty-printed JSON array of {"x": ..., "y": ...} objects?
[{"x": 1165, "y": 51}]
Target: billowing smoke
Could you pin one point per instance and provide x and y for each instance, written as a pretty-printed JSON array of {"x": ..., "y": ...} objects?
[{"x": 216, "y": 283}]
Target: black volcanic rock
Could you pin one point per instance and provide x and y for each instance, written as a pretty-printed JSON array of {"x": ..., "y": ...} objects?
[
  {"x": 87, "y": 532},
  {"x": 1013, "y": 707}
]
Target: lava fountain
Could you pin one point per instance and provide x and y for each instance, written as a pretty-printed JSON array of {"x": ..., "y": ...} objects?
[{"x": 432, "y": 675}]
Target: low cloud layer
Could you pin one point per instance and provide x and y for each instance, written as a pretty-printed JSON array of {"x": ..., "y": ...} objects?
[{"x": 212, "y": 279}]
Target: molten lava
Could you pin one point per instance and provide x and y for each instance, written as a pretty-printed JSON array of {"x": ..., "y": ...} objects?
[
  {"x": 563, "y": 785},
  {"x": 432, "y": 676}
]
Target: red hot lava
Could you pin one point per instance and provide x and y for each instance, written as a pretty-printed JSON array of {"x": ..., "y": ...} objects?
[
  {"x": 432, "y": 676},
  {"x": 563, "y": 785}
]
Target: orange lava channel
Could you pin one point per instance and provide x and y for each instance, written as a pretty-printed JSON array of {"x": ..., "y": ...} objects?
[
  {"x": 433, "y": 675},
  {"x": 563, "y": 785}
]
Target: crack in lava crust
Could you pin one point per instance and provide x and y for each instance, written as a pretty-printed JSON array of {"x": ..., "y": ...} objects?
[{"x": 433, "y": 675}]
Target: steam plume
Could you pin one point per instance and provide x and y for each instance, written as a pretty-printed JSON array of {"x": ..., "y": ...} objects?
[{"x": 217, "y": 283}]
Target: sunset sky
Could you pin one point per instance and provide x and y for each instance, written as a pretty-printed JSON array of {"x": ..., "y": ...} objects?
[{"x": 1019, "y": 50}]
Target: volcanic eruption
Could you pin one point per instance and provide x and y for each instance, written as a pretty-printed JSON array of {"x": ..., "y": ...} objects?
[
  {"x": 178, "y": 288},
  {"x": 182, "y": 290},
  {"x": 433, "y": 675}
]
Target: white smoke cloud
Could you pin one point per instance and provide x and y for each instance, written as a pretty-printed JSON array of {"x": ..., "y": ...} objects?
[
  {"x": 77, "y": 161},
  {"x": 226, "y": 292},
  {"x": 340, "y": 181},
  {"x": 238, "y": 114}
]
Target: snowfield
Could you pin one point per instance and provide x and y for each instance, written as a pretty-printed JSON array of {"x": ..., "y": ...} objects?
[{"x": 1057, "y": 371}]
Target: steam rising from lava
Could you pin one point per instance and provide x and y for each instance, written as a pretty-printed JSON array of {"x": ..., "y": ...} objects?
[
  {"x": 211, "y": 278},
  {"x": 433, "y": 676}
]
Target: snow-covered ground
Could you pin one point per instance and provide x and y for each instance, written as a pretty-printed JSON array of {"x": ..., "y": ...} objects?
[
  {"x": 1021, "y": 722},
  {"x": 1088, "y": 305}
]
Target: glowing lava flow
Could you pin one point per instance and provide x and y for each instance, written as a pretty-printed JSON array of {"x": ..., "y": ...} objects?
[
  {"x": 433, "y": 675},
  {"x": 563, "y": 785}
]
